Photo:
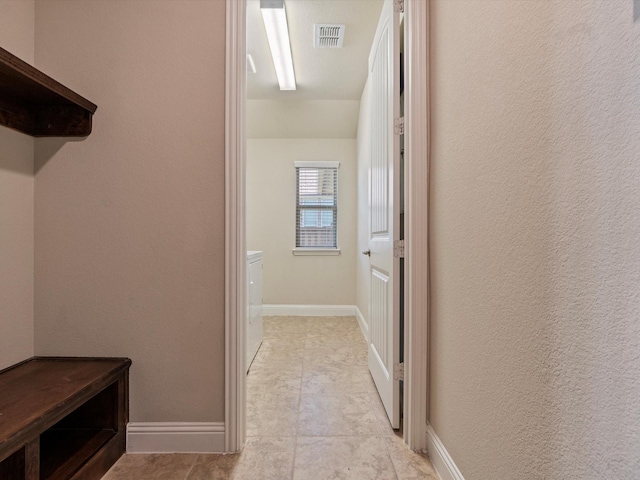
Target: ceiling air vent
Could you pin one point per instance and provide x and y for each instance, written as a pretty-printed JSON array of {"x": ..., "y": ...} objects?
[{"x": 328, "y": 35}]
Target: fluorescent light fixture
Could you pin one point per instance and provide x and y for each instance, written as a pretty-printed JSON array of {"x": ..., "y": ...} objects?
[{"x": 275, "y": 23}]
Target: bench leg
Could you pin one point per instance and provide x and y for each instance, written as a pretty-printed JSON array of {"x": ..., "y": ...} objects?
[{"x": 32, "y": 460}]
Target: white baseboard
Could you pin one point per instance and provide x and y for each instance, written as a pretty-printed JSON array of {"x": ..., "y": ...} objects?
[
  {"x": 440, "y": 458},
  {"x": 364, "y": 326},
  {"x": 175, "y": 437},
  {"x": 309, "y": 310}
]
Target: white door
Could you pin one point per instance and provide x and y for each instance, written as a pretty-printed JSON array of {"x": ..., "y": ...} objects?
[
  {"x": 255, "y": 326},
  {"x": 384, "y": 73}
]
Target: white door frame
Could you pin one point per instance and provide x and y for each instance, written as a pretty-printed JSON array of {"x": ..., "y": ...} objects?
[{"x": 416, "y": 220}]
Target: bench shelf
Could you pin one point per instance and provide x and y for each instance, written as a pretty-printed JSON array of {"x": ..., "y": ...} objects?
[{"x": 62, "y": 418}]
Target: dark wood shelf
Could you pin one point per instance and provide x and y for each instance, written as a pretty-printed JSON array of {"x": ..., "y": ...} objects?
[
  {"x": 13, "y": 466},
  {"x": 36, "y": 104},
  {"x": 64, "y": 452},
  {"x": 62, "y": 418}
]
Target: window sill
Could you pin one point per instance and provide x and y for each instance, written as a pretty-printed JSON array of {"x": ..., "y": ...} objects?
[{"x": 315, "y": 252}]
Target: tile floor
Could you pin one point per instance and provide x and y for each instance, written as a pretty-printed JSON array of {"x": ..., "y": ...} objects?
[{"x": 313, "y": 413}]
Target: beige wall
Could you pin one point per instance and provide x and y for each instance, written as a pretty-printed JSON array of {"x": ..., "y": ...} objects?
[
  {"x": 363, "y": 266},
  {"x": 271, "y": 213},
  {"x": 535, "y": 236},
  {"x": 129, "y": 222},
  {"x": 302, "y": 118},
  {"x": 16, "y": 204},
  {"x": 17, "y": 28}
]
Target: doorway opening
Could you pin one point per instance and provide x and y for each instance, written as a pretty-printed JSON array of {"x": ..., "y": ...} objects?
[{"x": 415, "y": 400}]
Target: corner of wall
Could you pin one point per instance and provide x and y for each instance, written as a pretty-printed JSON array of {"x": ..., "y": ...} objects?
[{"x": 17, "y": 205}]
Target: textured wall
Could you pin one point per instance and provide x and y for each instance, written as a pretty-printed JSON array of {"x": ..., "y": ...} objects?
[
  {"x": 535, "y": 236},
  {"x": 363, "y": 266},
  {"x": 16, "y": 203},
  {"x": 271, "y": 214},
  {"x": 129, "y": 222}
]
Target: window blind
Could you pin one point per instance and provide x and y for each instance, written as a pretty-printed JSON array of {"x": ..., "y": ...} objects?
[{"x": 317, "y": 205}]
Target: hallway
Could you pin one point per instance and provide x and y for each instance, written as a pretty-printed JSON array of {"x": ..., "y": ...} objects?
[{"x": 313, "y": 413}]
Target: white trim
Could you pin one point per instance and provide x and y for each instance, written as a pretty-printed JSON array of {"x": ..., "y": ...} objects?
[
  {"x": 364, "y": 325},
  {"x": 416, "y": 340},
  {"x": 309, "y": 310},
  {"x": 416, "y": 246},
  {"x": 175, "y": 437},
  {"x": 304, "y": 164},
  {"x": 315, "y": 252},
  {"x": 440, "y": 458},
  {"x": 235, "y": 250}
]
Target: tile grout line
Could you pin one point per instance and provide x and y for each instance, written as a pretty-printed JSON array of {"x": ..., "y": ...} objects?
[
  {"x": 393, "y": 465},
  {"x": 295, "y": 438},
  {"x": 195, "y": 460}
]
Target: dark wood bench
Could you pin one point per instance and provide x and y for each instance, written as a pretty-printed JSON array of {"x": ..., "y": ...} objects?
[{"x": 63, "y": 418}]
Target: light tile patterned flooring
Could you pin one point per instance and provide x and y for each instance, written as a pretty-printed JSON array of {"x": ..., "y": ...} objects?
[{"x": 313, "y": 413}]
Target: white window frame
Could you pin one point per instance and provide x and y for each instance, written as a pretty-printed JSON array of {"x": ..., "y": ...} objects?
[{"x": 317, "y": 251}]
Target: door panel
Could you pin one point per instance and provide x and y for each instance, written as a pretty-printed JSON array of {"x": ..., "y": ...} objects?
[
  {"x": 385, "y": 157},
  {"x": 380, "y": 284}
]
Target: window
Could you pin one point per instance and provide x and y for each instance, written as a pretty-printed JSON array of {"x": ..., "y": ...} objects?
[{"x": 316, "y": 206}]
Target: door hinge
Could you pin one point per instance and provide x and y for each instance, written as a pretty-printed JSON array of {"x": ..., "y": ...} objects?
[
  {"x": 398, "y": 371},
  {"x": 398, "y": 6},
  {"x": 398, "y": 248},
  {"x": 398, "y": 126}
]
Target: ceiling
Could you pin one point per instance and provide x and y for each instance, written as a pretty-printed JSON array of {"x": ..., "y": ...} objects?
[{"x": 321, "y": 74}]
